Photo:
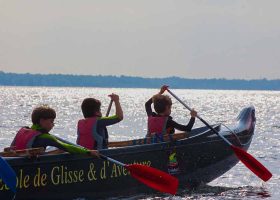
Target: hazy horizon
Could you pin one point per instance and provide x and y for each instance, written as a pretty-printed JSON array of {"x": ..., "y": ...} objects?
[
  {"x": 234, "y": 39},
  {"x": 135, "y": 76}
]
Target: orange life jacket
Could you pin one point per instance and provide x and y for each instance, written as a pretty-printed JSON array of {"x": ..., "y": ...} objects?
[
  {"x": 157, "y": 125},
  {"x": 25, "y": 138},
  {"x": 87, "y": 134}
]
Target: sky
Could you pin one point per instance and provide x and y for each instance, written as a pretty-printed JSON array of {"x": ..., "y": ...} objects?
[{"x": 150, "y": 38}]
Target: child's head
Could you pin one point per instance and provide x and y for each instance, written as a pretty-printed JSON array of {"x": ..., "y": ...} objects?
[
  {"x": 91, "y": 107},
  {"x": 44, "y": 116},
  {"x": 162, "y": 104}
]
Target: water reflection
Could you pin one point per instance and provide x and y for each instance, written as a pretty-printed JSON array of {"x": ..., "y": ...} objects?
[
  {"x": 213, "y": 193},
  {"x": 16, "y": 104}
]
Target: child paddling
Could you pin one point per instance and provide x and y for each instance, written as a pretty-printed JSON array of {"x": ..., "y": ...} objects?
[
  {"x": 38, "y": 135},
  {"x": 160, "y": 122},
  {"x": 92, "y": 132}
]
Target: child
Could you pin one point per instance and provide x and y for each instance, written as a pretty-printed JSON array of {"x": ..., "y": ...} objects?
[
  {"x": 38, "y": 135},
  {"x": 161, "y": 123},
  {"x": 92, "y": 131}
]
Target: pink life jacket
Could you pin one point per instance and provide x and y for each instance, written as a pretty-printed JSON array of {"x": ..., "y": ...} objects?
[
  {"x": 157, "y": 125},
  {"x": 25, "y": 138},
  {"x": 86, "y": 127}
]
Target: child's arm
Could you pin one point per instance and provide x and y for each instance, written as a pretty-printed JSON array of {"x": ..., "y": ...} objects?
[
  {"x": 119, "y": 111},
  {"x": 107, "y": 121},
  {"x": 181, "y": 127},
  {"x": 45, "y": 140},
  {"x": 148, "y": 107},
  {"x": 148, "y": 104}
]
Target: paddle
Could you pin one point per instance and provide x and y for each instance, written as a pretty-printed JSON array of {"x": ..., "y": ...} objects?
[
  {"x": 150, "y": 176},
  {"x": 248, "y": 160},
  {"x": 8, "y": 175}
]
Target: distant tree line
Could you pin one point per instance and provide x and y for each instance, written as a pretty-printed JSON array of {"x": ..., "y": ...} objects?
[{"x": 60, "y": 80}]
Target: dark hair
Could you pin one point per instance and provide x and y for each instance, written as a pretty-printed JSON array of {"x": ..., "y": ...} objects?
[
  {"x": 42, "y": 112},
  {"x": 90, "y": 106},
  {"x": 160, "y": 102}
]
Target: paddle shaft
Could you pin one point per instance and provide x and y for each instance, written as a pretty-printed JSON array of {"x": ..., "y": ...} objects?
[
  {"x": 101, "y": 155},
  {"x": 111, "y": 160},
  {"x": 109, "y": 108},
  {"x": 203, "y": 121}
]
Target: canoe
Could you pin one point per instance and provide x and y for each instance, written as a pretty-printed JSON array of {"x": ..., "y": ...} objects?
[{"x": 198, "y": 157}]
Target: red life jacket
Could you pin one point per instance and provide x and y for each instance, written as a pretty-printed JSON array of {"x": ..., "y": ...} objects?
[
  {"x": 25, "y": 138},
  {"x": 157, "y": 125},
  {"x": 85, "y": 129}
]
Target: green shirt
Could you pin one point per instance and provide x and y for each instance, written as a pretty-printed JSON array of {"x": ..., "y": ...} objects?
[{"x": 45, "y": 139}]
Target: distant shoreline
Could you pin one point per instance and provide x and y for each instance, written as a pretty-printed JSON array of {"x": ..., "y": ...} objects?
[{"x": 61, "y": 80}]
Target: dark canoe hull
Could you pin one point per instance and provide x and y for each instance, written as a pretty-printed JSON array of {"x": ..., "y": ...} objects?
[{"x": 195, "y": 160}]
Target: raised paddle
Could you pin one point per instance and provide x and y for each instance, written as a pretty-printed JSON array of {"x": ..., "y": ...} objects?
[
  {"x": 8, "y": 175},
  {"x": 248, "y": 160},
  {"x": 150, "y": 176}
]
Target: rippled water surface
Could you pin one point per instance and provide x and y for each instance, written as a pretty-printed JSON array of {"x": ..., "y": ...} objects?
[{"x": 16, "y": 104}]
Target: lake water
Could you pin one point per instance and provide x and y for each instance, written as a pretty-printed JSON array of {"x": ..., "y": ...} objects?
[{"x": 16, "y": 104}]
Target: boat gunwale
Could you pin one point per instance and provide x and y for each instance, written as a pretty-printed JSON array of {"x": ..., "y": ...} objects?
[{"x": 113, "y": 153}]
